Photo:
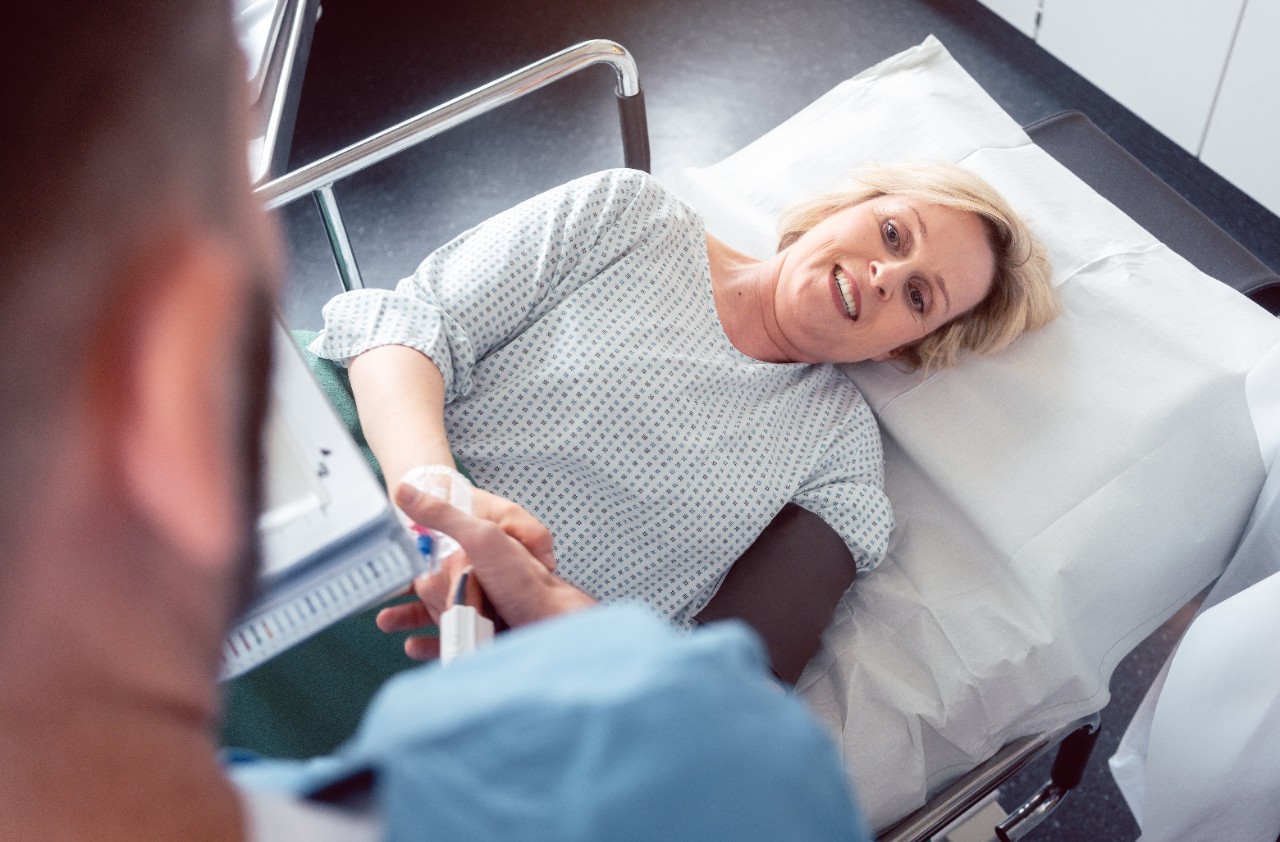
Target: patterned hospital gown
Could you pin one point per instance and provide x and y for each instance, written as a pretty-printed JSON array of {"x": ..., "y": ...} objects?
[{"x": 587, "y": 378}]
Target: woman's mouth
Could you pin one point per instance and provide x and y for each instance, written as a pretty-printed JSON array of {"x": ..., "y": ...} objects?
[{"x": 845, "y": 292}]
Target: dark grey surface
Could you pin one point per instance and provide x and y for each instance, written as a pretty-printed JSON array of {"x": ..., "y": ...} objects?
[
  {"x": 717, "y": 74},
  {"x": 1105, "y": 166}
]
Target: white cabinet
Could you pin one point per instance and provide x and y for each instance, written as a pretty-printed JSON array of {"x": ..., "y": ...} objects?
[
  {"x": 1163, "y": 59},
  {"x": 1020, "y": 13},
  {"x": 1205, "y": 73},
  {"x": 1243, "y": 142}
]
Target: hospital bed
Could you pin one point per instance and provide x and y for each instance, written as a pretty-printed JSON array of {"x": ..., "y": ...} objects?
[{"x": 1056, "y": 504}]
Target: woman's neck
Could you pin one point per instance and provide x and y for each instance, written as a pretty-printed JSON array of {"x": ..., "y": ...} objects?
[{"x": 741, "y": 287}]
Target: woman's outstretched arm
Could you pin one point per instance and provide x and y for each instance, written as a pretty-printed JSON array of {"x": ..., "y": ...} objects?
[{"x": 399, "y": 394}]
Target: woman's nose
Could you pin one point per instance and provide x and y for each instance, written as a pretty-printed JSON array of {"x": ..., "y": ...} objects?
[{"x": 880, "y": 278}]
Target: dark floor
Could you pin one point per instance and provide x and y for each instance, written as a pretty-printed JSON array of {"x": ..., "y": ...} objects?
[{"x": 717, "y": 74}]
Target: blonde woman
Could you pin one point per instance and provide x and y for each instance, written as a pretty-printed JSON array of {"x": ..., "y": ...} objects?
[
  {"x": 603, "y": 366},
  {"x": 666, "y": 406}
]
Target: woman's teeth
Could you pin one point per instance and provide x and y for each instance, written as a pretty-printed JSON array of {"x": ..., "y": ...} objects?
[{"x": 846, "y": 293}]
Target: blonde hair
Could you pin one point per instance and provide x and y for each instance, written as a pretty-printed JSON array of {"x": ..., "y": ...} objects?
[{"x": 1022, "y": 297}]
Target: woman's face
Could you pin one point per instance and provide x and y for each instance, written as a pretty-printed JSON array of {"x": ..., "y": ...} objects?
[{"x": 877, "y": 276}]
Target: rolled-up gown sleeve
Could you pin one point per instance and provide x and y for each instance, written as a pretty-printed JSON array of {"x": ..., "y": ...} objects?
[
  {"x": 846, "y": 490},
  {"x": 485, "y": 286}
]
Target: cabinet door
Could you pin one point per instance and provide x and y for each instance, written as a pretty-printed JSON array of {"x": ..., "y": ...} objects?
[
  {"x": 1162, "y": 59},
  {"x": 1243, "y": 143},
  {"x": 1020, "y": 13}
]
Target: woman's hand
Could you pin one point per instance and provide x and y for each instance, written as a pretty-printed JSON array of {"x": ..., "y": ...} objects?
[
  {"x": 518, "y": 581},
  {"x": 447, "y": 484},
  {"x": 433, "y": 591}
]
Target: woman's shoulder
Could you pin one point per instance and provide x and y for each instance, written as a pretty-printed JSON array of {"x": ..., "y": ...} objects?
[
  {"x": 620, "y": 180},
  {"x": 636, "y": 190},
  {"x": 856, "y": 418}
]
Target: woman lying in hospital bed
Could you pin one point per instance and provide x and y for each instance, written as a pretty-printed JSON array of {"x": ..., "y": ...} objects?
[
  {"x": 600, "y": 364},
  {"x": 1055, "y": 503}
]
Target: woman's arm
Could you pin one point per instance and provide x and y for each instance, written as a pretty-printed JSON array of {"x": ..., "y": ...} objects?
[
  {"x": 788, "y": 583},
  {"x": 786, "y": 587},
  {"x": 399, "y": 395}
]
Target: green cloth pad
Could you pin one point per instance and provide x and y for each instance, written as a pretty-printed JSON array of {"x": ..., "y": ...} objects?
[{"x": 308, "y": 700}]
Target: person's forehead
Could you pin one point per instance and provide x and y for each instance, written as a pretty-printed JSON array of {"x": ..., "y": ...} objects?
[
  {"x": 913, "y": 207},
  {"x": 917, "y": 205}
]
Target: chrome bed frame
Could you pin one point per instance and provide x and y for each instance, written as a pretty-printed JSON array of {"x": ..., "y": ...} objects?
[
  {"x": 1074, "y": 740},
  {"x": 317, "y": 179}
]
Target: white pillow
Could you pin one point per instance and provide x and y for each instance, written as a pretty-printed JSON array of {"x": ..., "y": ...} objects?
[{"x": 1055, "y": 503}]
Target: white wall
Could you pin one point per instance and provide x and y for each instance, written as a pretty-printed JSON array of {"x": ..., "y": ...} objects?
[
  {"x": 1243, "y": 142},
  {"x": 1162, "y": 59},
  {"x": 1020, "y": 13},
  {"x": 1206, "y": 73}
]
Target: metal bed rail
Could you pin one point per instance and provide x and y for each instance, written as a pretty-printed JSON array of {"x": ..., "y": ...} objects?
[
  {"x": 1075, "y": 743},
  {"x": 280, "y": 82},
  {"x": 318, "y": 177}
]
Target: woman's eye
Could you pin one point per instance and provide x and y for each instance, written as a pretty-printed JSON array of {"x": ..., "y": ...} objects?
[
  {"x": 891, "y": 235},
  {"x": 917, "y": 299}
]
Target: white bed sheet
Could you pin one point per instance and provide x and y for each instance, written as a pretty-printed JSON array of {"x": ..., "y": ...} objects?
[
  {"x": 1056, "y": 503},
  {"x": 1198, "y": 761},
  {"x": 1214, "y": 708}
]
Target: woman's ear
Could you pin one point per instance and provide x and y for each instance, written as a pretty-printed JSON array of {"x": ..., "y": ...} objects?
[
  {"x": 888, "y": 355},
  {"x": 176, "y": 430}
]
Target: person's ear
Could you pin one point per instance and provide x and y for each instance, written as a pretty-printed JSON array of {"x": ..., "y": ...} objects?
[
  {"x": 177, "y": 427},
  {"x": 888, "y": 355}
]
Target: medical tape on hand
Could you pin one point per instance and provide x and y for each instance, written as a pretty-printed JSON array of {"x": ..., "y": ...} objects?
[{"x": 443, "y": 483}]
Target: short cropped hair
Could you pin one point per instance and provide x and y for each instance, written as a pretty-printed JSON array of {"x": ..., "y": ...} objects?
[
  {"x": 119, "y": 118},
  {"x": 1022, "y": 297}
]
